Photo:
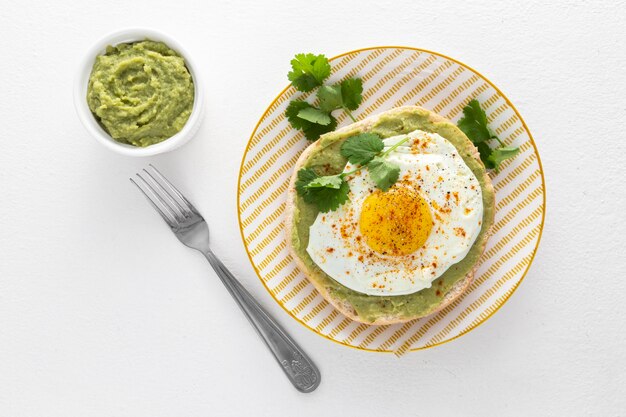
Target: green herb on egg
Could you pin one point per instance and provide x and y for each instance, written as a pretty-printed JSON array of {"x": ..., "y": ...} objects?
[{"x": 365, "y": 151}]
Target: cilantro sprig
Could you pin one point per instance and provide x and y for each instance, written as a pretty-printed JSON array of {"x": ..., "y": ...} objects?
[
  {"x": 361, "y": 149},
  {"x": 309, "y": 71},
  {"x": 474, "y": 125},
  {"x": 383, "y": 172},
  {"x": 346, "y": 95},
  {"x": 365, "y": 151},
  {"x": 312, "y": 131},
  {"x": 327, "y": 193}
]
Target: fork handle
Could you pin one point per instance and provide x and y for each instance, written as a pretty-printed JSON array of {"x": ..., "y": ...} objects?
[{"x": 300, "y": 370}]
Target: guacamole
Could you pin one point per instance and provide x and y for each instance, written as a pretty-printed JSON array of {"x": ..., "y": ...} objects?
[
  {"x": 141, "y": 93},
  {"x": 327, "y": 160}
]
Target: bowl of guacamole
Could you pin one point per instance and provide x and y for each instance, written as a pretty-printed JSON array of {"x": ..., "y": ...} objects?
[{"x": 137, "y": 93}]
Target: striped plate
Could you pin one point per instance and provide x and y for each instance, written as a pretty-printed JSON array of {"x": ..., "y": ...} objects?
[{"x": 394, "y": 76}]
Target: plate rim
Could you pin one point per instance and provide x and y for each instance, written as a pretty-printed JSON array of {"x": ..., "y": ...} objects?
[{"x": 543, "y": 206}]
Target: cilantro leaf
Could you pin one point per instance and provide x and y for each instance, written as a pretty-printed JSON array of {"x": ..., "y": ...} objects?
[
  {"x": 345, "y": 95},
  {"x": 329, "y": 181},
  {"x": 305, "y": 176},
  {"x": 330, "y": 97},
  {"x": 498, "y": 155},
  {"x": 325, "y": 198},
  {"x": 474, "y": 123},
  {"x": 485, "y": 153},
  {"x": 312, "y": 131},
  {"x": 308, "y": 71},
  {"x": 361, "y": 149},
  {"x": 383, "y": 172},
  {"x": 314, "y": 115},
  {"x": 294, "y": 108},
  {"x": 328, "y": 199},
  {"x": 351, "y": 90}
]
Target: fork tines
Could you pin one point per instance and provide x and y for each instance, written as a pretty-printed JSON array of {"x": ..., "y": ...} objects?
[{"x": 164, "y": 197}]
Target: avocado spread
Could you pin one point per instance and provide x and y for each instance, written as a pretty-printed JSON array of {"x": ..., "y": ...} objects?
[
  {"x": 327, "y": 160},
  {"x": 141, "y": 92}
]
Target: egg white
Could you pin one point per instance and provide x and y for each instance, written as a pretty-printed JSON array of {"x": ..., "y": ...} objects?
[{"x": 337, "y": 246}]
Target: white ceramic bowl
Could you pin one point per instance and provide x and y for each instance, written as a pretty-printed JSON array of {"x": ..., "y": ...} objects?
[{"x": 88, "y": 119}]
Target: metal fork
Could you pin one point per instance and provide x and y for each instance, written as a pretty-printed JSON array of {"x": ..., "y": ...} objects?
[{"x": 192, "y": 230}]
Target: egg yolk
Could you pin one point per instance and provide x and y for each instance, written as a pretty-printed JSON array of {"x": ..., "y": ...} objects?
[{"x": 395, "y": 222}]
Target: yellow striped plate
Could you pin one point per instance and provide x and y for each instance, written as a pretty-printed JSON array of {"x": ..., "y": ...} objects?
[{"x": 394, "y": 76}]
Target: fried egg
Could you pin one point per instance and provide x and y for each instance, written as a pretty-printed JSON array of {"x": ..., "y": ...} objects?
[{"x": 399, "y": 241}]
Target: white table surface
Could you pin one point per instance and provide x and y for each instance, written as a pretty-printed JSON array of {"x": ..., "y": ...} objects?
[{"x": 104, "y": 313}]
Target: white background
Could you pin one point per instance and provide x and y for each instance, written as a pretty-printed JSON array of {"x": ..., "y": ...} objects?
[{"x": 104, "y": 313}]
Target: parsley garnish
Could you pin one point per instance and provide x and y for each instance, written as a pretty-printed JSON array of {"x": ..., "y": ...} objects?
[
  {"x": 309, "y": 71},
  {"x": 364, "y": 150},
  {"x": 474, "y": 125}
]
